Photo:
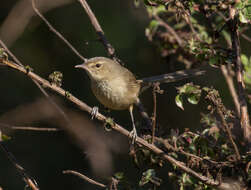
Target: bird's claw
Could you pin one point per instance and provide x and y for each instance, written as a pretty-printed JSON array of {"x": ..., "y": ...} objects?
[
  {"x": 133, "y": 136},
  {"x": 94, "y": 112}
]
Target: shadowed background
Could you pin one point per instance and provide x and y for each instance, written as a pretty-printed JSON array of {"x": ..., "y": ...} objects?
[{"x": 46, "y": 154}]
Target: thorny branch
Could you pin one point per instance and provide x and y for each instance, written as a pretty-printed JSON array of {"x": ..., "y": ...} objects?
[{"x": 83, "y": 106}]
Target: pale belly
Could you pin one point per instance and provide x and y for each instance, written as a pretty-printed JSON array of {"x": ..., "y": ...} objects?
[{"x": 115, "y": 95}]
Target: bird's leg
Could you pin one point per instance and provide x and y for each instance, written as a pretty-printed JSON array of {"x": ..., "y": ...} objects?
[
  {"x": 133, "y": 133},
  {"x": 94, "y": 112}
]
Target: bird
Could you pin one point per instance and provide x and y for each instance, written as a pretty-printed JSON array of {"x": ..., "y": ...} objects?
[
  {"x": 118, "y": 89},
  {"x": 113, "y": 85}
]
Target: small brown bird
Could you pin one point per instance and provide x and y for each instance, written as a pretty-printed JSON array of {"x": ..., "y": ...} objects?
[
  {"x": 117, "y": 88},
  {"x": 113, "y": 85}
]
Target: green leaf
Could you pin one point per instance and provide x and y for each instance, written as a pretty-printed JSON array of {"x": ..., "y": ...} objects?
[
  {"x": 153, "y": 25},
  {"x": 179, "y": 101},
  {"x": 194, "y": 98},
  {"x": 160, "y": 8},
  {"x": 5, "y": 137},
  {"x": 119, "y": 175},
  {"x": 189, "y": 88},
  {"x": 147, "y": 176}
]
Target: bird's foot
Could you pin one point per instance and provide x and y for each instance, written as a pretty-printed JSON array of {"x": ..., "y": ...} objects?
[
  {"x": 94, "y": 112},
  {"x": 133, "y": 136}
]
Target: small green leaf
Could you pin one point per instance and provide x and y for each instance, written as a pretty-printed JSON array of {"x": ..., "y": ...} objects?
[
  {"x": 119, "y": 175},
  {"x": 146, "y": 177},
  {"x": 153, "y": 24},
  {"x": 5, "y": 137},
  {"x": 179, "y": 101},
  {"x": 194, "y": 98}
]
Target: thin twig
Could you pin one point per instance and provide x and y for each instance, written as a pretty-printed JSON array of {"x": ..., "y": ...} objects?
[
  {"x": 190, "y": 24},
  {"x": 56, "y": 32},
  {"x": 26, "y": 128},
  {"x": 154, "y": 112},
  {"x": 170, "y": 30},
  {"x": 229, "y": 79},
  {"x": 97, "y": 27},
  {"x": 83, "y": 106},
  {"x": 229, "y": 133},
  {"x": 246, "y": 37},
  {"x": 10, "y": 53},
  {"x": 82, "y": 176}
]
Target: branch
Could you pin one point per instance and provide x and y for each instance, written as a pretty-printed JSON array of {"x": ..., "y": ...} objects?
[
  {"x": 110, "y": 50},
  {"x": 83, "y": 106},
  {"x": 244, "y": 117},
  {"x": 84, "y": 178},
  {"x": 230, "y": 83},
  {"x": 175, "y": 76}
]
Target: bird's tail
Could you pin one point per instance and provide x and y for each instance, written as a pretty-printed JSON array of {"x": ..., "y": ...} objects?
[{"x": 144, "y": 114}]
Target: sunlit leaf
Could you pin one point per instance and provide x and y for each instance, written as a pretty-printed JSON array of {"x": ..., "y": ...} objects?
[
  {"x": 179, "y": 101},
  {"x": 194, "y": 98}
]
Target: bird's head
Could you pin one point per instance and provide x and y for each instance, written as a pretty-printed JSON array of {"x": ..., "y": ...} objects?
[{"x": 99, "y": 68}]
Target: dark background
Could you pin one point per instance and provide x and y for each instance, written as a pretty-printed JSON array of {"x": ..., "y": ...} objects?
[{"x": 46, "y": 154}]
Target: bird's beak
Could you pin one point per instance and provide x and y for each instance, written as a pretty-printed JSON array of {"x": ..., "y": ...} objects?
[{"x": 82, "y": 66}]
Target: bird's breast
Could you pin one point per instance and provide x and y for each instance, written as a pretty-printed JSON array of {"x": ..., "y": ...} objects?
[{"x": 114, "y": 94}]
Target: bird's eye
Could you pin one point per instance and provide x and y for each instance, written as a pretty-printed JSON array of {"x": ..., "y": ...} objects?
[{"x": 98, "y": 65}]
